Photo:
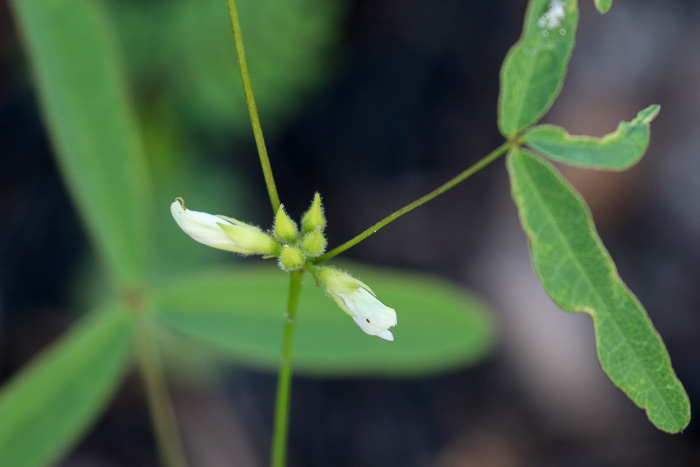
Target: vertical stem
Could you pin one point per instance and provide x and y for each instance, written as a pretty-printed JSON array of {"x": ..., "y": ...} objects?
[
  {"x": 159, "y": 404},
  {"x": 279, "y": 443},
  {"x": 252, "y": 108}
]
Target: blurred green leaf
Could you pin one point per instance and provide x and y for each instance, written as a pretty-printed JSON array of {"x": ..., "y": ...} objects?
[
  {"x": 47, "y": 407},
  {"x": 177, "y": 171},
  {"x": 578, "y": 273},
  {"x": 533, "y": 71},
  {"x": 241, "y": 313},
  {"x": 603, "y": 5},
  {"x": 93, "y": 128},
  {"x": 289, "y": 46},
  {"x": 616, "y": 151}
]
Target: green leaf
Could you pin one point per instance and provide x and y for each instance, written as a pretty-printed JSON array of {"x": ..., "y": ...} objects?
[
  {"x": 241, "y": 312},
  {"x": 533, "y": 71},
  {"x": 615, "y": 151},
  {"x": 48, "y": 406},
  {"x": 578, "y": 273},
  {"x": 287, "y": 44},
  {"x": 93, "y": 128},
  {"x": 603, "y": 5}
]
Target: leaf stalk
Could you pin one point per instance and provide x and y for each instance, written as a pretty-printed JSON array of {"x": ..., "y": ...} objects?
[{"x": 459, "y": 178}]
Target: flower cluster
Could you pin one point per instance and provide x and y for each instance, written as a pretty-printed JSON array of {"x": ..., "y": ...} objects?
[
  {"x": 298, "y": 245},
  {"x": 294, "y": 248}
]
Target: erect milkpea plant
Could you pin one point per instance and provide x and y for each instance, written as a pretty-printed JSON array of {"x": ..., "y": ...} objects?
[{"x": 46, "y": 408}]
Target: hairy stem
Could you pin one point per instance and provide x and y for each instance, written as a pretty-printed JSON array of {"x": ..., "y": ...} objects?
[
  {"x": 279, "y": 443},
  {"x": 492, "y": 156},
  {"x": 252, "y": 108},
  {"x": 159, "y": 403}
]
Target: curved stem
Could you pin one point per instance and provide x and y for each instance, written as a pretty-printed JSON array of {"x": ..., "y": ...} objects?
[
  {"x": 492, "y": 156},
  {"x": 252, "y": 108},
  {"x": 159, "y": 404},
  {"x": 279, "y": 443}
]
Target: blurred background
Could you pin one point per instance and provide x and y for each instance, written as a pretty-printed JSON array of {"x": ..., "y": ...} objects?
[{"x": 373, "y": 104}]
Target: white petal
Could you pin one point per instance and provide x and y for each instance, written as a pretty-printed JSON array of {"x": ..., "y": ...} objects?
[
  {"x": 202, "y": 227},
  {"x": 371, "y": 315},
  {"x": 356, "y": 299},
  {"x": 386, "y": 335}
]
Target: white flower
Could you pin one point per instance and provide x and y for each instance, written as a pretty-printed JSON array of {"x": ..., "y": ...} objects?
[
  {"x": 222, "y": 232},
  {"x": 356, "y": 299}
]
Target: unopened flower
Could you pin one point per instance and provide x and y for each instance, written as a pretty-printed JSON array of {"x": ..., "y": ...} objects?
[
  {"x": 222, "y": 232},
  {"x": 314, "y": 243},
  {"x": 355, "y": 298},
  {"x": 313, "y": 218},
  {"x": 291, "y": 259},
  {"x": 285, "y": 228}
]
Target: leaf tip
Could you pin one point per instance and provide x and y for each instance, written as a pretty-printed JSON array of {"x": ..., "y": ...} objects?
[
  {"x": 674, "y": 428},
  {"x": 647, "y": 115},
  {"x": 603, "y": 6}
]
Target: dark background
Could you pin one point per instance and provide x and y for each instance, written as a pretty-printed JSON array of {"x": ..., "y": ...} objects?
[{"x": 408, "y": 99}]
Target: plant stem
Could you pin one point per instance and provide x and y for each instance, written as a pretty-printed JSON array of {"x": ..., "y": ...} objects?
[
  {"x": 279, "y": 443},
  {"x": 252, "y": 108},
  {"x": 492, "y": 156},
  {"x": 159, "y": 404}
]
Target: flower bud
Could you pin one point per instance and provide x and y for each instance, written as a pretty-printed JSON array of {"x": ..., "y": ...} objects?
[
  {"x": 222, "y": 232},
  {"x": 285, "y": 228},
  {"x": 314, "y": 218},
  {"x": 357, "y": 299},
  {"x": 291, "y": 258},
  {"x": 314, "y": 243}
]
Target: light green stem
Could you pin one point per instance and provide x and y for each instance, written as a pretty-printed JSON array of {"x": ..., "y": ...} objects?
[
  {"x": 159, "y": 403},
  {"x": 279, "y": 443},
  {"x": 495, "y": 154},
  {"x": 252, "y": 108}
]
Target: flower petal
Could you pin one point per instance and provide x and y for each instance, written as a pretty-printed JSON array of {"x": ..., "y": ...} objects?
[
  {"x": 369, "y": 313},
  {"x": 386, "y": 335},
  {"x": 357, "y": 300},
  {"x": 203, "y": 227}
]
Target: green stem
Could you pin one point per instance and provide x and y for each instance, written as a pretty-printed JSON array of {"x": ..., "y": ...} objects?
[
  {"x": 252, "y": 108},
  {"x": 279, "y": 443},
  {"x": 159, "y": 403},
  {"x": 492, "y": 156}
]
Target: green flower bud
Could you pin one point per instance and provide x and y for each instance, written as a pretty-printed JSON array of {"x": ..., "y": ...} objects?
[
  {"x": 285, "y": 228},
  {"x": 291, "y": 258},
  {"x": 314, "y": 243},
  {"x": 314, "y": 218}
]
